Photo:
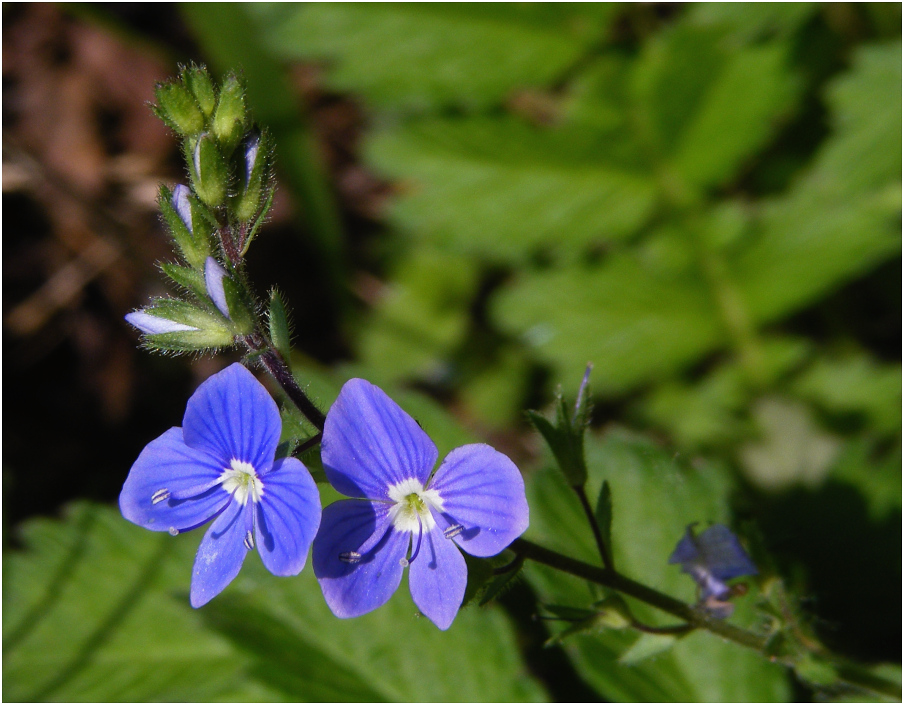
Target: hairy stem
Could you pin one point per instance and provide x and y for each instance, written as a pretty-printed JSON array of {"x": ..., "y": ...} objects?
[{"x": 279, "y": 369}]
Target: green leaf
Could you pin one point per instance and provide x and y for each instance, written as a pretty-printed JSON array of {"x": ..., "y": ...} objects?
[
  {"x": 658, "y": 494},
  {"x": 420, "y": 316},
  {"x": 264, "y": 639},
  {"x": 646, "y": 646},
  {"x": 738, "y": 114},
  {"x": 603, "y": 512},
  {"x": 843, "y": 217},
  {"x": 634, "y": 322},
  {"x": 427, "y": 55},
  {"x": 855, "y": 384},
  {"x": 747, "y": 21},
  {"x": 96, "y": 609},
  {"x": 504, "y": 189}
]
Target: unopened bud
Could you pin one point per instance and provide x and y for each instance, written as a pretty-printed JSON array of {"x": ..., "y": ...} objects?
[
  {"x": 189, "y": 230},
  {"x": 201, "y": 86},
  {"x": 230, "y": 115},
  {"x": 251, "y": 194},
  {"x": 208, "y": 170},
  {"x": 178, "y": 108}
]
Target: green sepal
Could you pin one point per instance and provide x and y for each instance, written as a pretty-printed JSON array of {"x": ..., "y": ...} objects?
[
  {"x": 208, "y": 169},
  {"x": 189, "y": 279},
  {"x": 500, "y": 584},
  {"x": 194, "y": 246},
  {"x": 230, "y": 115},
  {"x": 613, "y": 612},
  {"x": 252, "y": 231},
  {"x": 589, "y": 621},
  {"x": 603, "y": 513},
  {"x": 280, "y": 327},
  {"x": 240, "y": 307},
  {"x": 198, "y": 81},
  {"x": 177, "y": 107}
]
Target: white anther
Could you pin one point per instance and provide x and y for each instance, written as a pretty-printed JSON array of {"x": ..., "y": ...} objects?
[
  {"x": 160, "y": 496},
  {"x": 173, "y": 531},
  {"x": 350, "y": 557},
  {"x": 453, "y": 531},
  {"x": 249, "y": 541}
]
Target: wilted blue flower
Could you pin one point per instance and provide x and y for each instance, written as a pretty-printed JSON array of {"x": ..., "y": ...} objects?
[
  {"x": 220, "y": 465},
  {"x": 712, "y": 558},
  {"x": 375, "y": 452}
]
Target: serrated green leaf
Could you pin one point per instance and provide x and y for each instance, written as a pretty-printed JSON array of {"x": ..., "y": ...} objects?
[
  {"x": 426, "y": 55},
  {"x": 738, "y": 114},
  {"x": 503, "y": 189},
  {"x": 633, "y": 322}
]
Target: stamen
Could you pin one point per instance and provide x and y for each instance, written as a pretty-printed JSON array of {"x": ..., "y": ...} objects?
[
  {"x": 417, "y": 547},
  {"x": 173, "y": 531},
  {"x": 249, "y": 540},
  {"x": 403, "y": 562},
  {"x": 350, "y": 557},
  {"x": 453, "y": 531},
  {"x": 160, "y": 495}
]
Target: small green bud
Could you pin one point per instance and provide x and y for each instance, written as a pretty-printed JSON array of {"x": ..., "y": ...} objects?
[
  {"x": 177, "y": 107},
  {"x": 613, "y": 613},
  {"x": 201, "y": 86},
  {"x": 210, "y": 175},
  {"x": 230, "y": 116},
  {"x": 255, "y": 155},
  {"x": 190, "y": 232}
]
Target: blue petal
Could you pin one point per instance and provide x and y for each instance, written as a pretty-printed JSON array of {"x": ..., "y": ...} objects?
[
  {"x": 370, "y": 443},
  {"x": 154, "y": 325},
  {"x": 288, "y": 517},
  {"x": 437, "y": 578},
  {"x": 183, "y": 481},
  {"x": 221, "y": 554},
  {"x": 723, "y": 554},
  {"x": 353, "y": 589},
  {"x": 483, "y": 491},
  {"x": 232, "y": 416},
  {"x": 686, "y": 551},
  {"x": 213, "y": 280}
]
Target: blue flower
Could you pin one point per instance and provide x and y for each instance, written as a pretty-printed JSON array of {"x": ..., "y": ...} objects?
[
  {"x": 150, "y": 324},
  {"x": 220, "y": 465},
  {"x": 711, "y": 559},
  {"x": 401, "y": 516}
]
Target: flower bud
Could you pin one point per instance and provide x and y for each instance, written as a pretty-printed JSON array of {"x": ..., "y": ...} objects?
[
  {"x": 213, "y": 280},
  {"x": 177, "y": 107},
  {"x": 229, "y": 118},
  {"x": 201, "y": 86},
  {"x": 251, "y": 194},
  {"x": 208, "y": 170},
  {"x": 173, "y": 324},
  {"x": 188, "y": 229}
]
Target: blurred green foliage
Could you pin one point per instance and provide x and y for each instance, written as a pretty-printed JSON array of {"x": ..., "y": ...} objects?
[{"x": 660, "y": 190}]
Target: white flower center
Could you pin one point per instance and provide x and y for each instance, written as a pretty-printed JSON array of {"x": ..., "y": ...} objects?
[
  {"x": 412, "y": 506},
  {"x": 241, "y": 480}
]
